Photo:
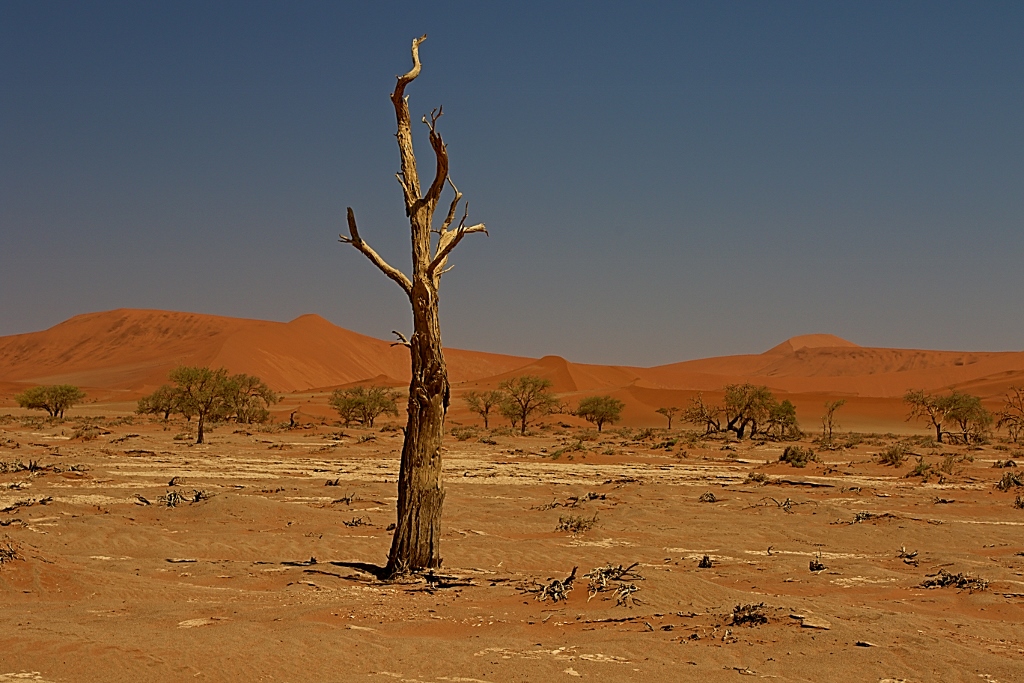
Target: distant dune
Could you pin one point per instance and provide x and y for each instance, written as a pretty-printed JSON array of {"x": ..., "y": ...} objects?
[
  {"x": 134, "y": 350},
  {"x": 130, "y": 352}
]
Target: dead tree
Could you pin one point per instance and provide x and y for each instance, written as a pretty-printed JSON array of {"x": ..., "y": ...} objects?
[{"x": 416, "y": 543}]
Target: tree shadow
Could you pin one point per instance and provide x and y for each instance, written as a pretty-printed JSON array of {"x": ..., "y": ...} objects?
[{"x": 377, "y": 571}]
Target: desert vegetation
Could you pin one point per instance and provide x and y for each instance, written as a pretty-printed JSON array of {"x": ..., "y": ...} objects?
[
  {"x": 526, "y": 398},
  {"x": 55, "y": 399},
  {"x": 210, "y": 396},
  {"x": 1011, "y": 415},
  {"x": 600, "y": 410},
  {"x": 364, "y": 404},
  {"x": 746, "y": 409},
  {"x": 963, "y": 411}
]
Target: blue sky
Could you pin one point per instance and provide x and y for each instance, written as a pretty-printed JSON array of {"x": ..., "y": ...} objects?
[{"x": 662, "y": 182}]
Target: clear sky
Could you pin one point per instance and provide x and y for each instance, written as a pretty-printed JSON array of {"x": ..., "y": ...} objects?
[{"x": 661, "y": 181}]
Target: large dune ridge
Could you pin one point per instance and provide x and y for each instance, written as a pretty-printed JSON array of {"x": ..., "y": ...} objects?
[
  {"x": 133, "y": 350},
  {"x": 124, "y": 353}
]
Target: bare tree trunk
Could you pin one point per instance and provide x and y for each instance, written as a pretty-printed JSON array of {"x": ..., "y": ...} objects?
[{"x": 416, "y": 543}]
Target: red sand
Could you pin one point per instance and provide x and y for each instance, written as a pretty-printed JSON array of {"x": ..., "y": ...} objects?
[{"x": 124, "y": 353}]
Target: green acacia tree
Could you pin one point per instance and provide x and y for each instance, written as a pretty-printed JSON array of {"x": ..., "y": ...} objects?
[
  {"x": 966, "y": 412},
  {"x": 164, "y": 401},
  {"x": 781, "y": 422},
  {"x": 747, "y": 406},
  {"x": 482, "y": 403},
  {"x": 53, "y": 398},
  {"x": 247, "y": 399},
  {"x": 364, "y": 404},
  {"x": 669, "y": 413},
  {"x": 600, "y": 410},
  {"x": 928, "y": 407},
  {"x": 524, "y": 397},
  {"x": 202, "y": 393}
]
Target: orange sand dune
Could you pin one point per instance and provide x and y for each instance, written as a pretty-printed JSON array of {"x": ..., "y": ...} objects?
[
  {"x": 131, "y": 351},
  {"x": 567, "y": 377},
  {"x": 135, "y": 349},
  {"x": 846, "y": 370}
]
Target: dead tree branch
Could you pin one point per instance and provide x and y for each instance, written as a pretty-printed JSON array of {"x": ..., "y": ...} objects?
[{"x": 375, "y": 258}]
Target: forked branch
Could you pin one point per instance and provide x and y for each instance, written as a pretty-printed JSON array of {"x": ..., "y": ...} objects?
[
  {"x": 441, "y": 154},
  {"x": 449, "y": 240},
  {"x": 402, "y": 341},
  {"x": 375, "y": 258},
  {"x": 409, "y": 178}
]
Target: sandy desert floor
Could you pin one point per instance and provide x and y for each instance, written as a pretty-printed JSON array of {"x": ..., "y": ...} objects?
[{"x": 269, "y": 575}]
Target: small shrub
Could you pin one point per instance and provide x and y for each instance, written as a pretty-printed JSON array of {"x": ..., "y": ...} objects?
[
  {"x": 463, "y": 433},
  {"x": 644, "y": 434},
  {"x": 1009, "y": 480},
  {"x": 588, "y": 435},
  {"x": 708, "y": 497},
  {"x": 8, "y": 552},
  {"x": 797, "y": 456},
  {"x": 576, "y": 524},
  {"x": 921, "y": 469},
  {"x": 87, "y": 433},
  {"x": 960, "y": 581},
  {"x": 756, "y": 478},
  {"x": 1004, "y": 463},
  {"x": 1019, "y": 503},
  {"x": 489, "y": 442},
  {"x": 570, "y": 448},
  {"x": 895, "y": 455},
  {"x": 954, "y": 464},
  {"x": 749, "y": 615},
  {"x": 174, "y": 498}
]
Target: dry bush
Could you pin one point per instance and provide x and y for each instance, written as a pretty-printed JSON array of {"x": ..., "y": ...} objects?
[
  {"x": 895, "y": 455},
  {"x": 797, "y": 456},
  {"x": 954, "y": 464},
  {"x": 1009, "y": 480},
  {"x": 462, "y": 433},
  {"x": 617, "y": 580},
  {"x": 749, "y": 615},
  {"x": 921, "y": 469},
  {"x": 756, "y": 478},
  {"x": 174, "y": 498},
  {"x": 576, "y": 524},
  {"x": 1004, "y": 463},
  {"x": 9, "y": 552},
  {"x": 557, "y": 589},
  {"x": 960, "y": 581},
  {"x": 644, "y": 434},
  {"x": 569, "y": 448}
]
